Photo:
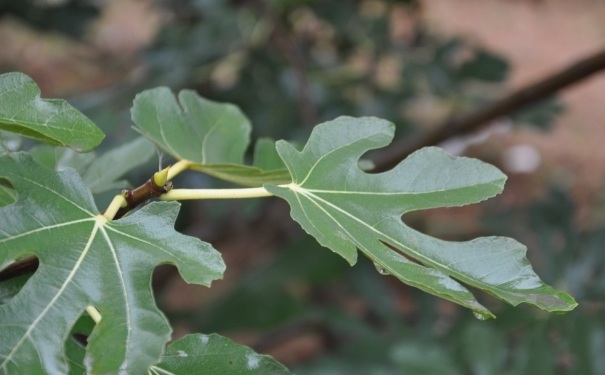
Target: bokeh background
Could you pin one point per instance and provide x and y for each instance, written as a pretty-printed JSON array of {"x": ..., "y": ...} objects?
[{"x": 293, "y": 64}]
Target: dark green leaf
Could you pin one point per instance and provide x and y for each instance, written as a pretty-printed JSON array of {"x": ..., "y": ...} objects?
[
  {"x": 346, "y": 209},
  {"x": 266, "y": 156},
  {"x": 7, "y": 193},
  {"x": 53, "y": 121},
  {"x": 212, "y": 136},
  {"x": 484, "y": 66},
  {"x": 214, "y": 354},
  {"x": 86, "y": 260},
  {"x": 10, "y": 287}
]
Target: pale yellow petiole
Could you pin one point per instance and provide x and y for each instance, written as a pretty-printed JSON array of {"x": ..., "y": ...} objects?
[
  {"x": 93, "y": 313},
  {"x": 177, "y": 168},
  {"x": 118, "y": 202},
  {"x": 186, "y": 194}
]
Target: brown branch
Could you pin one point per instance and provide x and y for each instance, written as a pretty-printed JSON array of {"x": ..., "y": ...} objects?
[
  {"x": 142, "y": 194},
  {"x": 521, "y": 98}
]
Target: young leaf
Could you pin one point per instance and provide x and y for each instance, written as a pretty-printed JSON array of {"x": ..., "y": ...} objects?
[
  {"x": 104, "y": 171},
  {"x": 214, "y": 354},
  {"x": 346, "y": 209},
  {"x": 59, "y": 158},
  {"x": 54, "y": 121},
  {"x": 87, "y": 260},
  {"x": 212, "y": 136}
]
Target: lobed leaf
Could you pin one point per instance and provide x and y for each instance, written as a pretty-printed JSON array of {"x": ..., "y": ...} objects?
[
  {"x": 214, "y": 354},
  {"x": 212, "y": 136},
  {"x": 53, "y": 121},
  {"x": 86, "y": 260},
  {"x": 346, "y": 209}
]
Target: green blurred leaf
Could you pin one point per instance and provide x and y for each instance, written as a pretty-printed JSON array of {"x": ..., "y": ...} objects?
[
  {"x": 422, "y": 359},
  {"x": 484, "y": 66},
  {"x": 100, "y": 173},
  {"x": 266, "y": 156},
  {"x": 104, "y": 171},
  {"x": 9, "y": 142},
  {"x": 346, "y": 209},
  {"x": 484, "y": 349},
  {"x": 7, "y": 193},
  {"x": 59, "y": 158},
  {"x": 281, "y": 284},
  {"x": 87, "y": 260},
  {"x": 214, "y": 354},
  {"x": 213, "y": 136},
  {"x": 541, "y": 115},
  {"x": 10, "y": 287},
  {"x": 53, "y": 121}
]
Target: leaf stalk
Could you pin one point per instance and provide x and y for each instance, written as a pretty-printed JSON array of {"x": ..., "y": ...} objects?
[
  {"x": 118, "y": 202},
  {"x": 177, "y": 168},
  {"x": 189, "y": 194},
  {"x": 93, "y": 313}
]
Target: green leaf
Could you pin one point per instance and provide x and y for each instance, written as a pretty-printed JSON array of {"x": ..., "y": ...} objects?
[
  {"x": 10, "y": 287},
  {"x": 59, "y": 158},
  {"x": 53, "y": 121},
  {"x": 9, "y": 142},
  {"x": 245, "y": 175},
  {"x": 87, "y": 260},
  {"x": 213, "y": 354},
  {"x": 7, "y": 194},
  {"x": 101, "y": 173},
  {"x": 212, "y": 136},
  {"x": 104, "y": 172},
  {"x": 75, "y": 351},
  {"x": 266, "y": 156},
  {"x": 346, "y": 209}
]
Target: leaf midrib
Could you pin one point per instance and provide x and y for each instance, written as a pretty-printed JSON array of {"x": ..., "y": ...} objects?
[
  {"x": 417, "y": 255},
  {"x": 72, "y": 273}
]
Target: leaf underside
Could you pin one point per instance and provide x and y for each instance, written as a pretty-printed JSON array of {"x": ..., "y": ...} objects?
[
  {"x": 53, "y": 121},
  {"x": 87, "y": 260},
  {"x": 213, "y": 354},
  {"x": 212, "y": 136},
  {"x": 347, "y": 210}
]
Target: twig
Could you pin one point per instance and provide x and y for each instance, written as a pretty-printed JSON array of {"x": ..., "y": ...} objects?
[
  {"x": 518, "y": 99},
  {"x": 130, "y": 199}
]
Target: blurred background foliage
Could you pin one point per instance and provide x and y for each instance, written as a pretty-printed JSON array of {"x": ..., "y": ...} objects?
[{"x": 290, "y": 65}]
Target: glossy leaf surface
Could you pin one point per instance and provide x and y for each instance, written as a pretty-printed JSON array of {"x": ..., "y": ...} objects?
[
  {"x": 53, "y": 121},
  {"x": 212, "y": 136},
  {"x": 87, "y": 260},
  {"x": 346, "y": 209},
  {"x": 214, "y": 354}
]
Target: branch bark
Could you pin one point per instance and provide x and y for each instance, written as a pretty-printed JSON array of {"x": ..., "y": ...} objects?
[{"x": 517, "y": 100}]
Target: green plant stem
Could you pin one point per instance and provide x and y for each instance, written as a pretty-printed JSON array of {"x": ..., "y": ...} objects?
[
  {"x": 177, "y": 168},
  {"x": 93, "y": 313},
  {"x": 118, "y": 202},
  {"x": 187, "y": 194}
]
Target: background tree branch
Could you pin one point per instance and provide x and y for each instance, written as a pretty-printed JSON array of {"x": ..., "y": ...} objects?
[{"x": 517, "y": 100}]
